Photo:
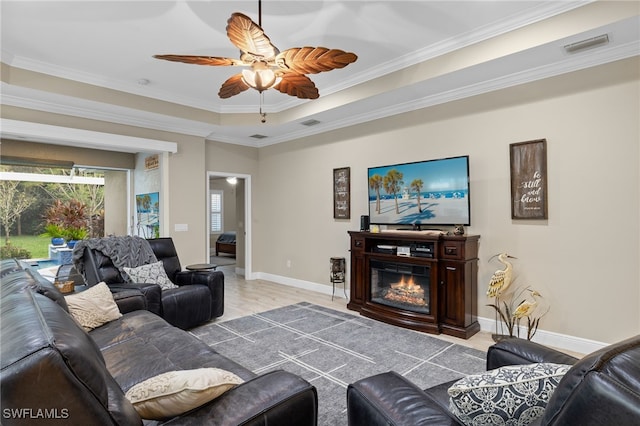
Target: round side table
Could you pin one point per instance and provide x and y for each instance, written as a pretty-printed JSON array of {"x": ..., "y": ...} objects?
[{"x": 202, "y": 267}]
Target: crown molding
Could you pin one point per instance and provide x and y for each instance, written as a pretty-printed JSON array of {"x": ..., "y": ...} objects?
[
  {"x": 43, "y": 101},
  {"x": 570, "y": 64},
  {"x": 58, "y": 135}
]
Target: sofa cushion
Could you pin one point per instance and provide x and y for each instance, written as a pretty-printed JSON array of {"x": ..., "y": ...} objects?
[
  {"x": 175, "y": 392},
  {"x": 48, "y": 361},
  {"x": 93, "y": 307},
  {"x": 165, "y": 349},
  {"x": 150, "y": 273},
  {"x": 516, "y": 394}
]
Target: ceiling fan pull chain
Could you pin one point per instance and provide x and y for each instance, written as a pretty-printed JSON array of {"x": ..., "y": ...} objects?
[{"x": 263, "y": 115}]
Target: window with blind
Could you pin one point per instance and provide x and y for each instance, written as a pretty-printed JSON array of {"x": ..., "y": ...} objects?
[{"x": 216, "y": 212}]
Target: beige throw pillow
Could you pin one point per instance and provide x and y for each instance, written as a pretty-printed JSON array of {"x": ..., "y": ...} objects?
[
  {"x": 93, "y": 307},
  {"x": 150, "y": 273},
  {"x": 176, "y": 392}
]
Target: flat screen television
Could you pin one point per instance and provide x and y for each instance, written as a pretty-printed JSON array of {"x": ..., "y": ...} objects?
[{"x": 425, "y": 193}]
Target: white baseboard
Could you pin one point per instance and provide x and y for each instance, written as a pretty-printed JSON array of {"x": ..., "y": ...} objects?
[
  {"x": 307, "y": 285},
  {"x": 548, "y": 338}
]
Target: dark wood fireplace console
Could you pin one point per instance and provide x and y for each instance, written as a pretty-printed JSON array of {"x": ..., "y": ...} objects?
[{"x": 452, "y": 262}]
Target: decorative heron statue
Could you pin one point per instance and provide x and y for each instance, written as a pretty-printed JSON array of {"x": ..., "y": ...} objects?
[
  {"x": 502, "y": 278},
  {"x": 526, "y": 307},
  {"x": 499, "y": 282},
  {"x": 524, "y": 310}
]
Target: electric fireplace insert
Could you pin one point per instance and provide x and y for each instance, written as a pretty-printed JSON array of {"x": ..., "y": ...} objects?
[{"x": 401, "y": 285}]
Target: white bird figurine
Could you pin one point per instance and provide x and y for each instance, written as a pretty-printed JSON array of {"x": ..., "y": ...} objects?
[
  {"x": 501, "y": 279},
  {"x": 527, "y": 307}
]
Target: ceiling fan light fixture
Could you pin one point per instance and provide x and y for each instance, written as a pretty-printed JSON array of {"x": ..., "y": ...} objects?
[
  {"x": 266, "y": 66},
  {"x": 260, "y": 77}
]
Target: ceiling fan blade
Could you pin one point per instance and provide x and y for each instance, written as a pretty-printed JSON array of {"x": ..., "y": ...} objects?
[
  {"x": 298, "y": 85},
  {"x": 232, "y": 86},
  {"x": 312, "y": 60},
  {"x": 247, "y": 36},
  {"x": 201, "y": 60}
]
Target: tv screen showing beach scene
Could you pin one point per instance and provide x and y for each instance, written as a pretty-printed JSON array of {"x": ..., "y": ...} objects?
[{"x": 433, "y": 192}]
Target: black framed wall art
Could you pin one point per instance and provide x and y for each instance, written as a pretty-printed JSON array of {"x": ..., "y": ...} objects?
[
  {"x": 342, "y": 193},
  {"x": 529, "y": 179}
]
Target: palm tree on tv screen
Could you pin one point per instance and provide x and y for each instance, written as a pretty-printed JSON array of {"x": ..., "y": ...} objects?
[
  {"x": 392, "y": 183},
  {"x": 375, "y": 183},
  {"x": 417, "y": 185}
]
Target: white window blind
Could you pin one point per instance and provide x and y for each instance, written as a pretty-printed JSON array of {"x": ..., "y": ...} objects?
[{"x": 216, "y": 211}]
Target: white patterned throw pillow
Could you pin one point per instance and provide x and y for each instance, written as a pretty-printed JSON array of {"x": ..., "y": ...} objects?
[
  {"x": 93, "y": 307},
  {"x": 176, "y": 392},
  {"x": 510, "y": 395},
  {"x": 151, "y": 273}
]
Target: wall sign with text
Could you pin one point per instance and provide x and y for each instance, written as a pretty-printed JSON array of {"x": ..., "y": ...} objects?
[
  {"x": 342, "y": 193},
  {"x": 529, "y": 179}
]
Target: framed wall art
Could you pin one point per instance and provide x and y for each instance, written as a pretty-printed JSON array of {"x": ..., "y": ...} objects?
[
  {"x": 342, "y": 193},
  {"x": 529, "y": 179},
  {"x": 148, "y": 215}
]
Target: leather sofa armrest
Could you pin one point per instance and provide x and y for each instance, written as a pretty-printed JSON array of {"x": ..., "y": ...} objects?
[
  {"x": 390, "y": 399},
  {"x": 198, "y": 277},
  {"x": 129, "y": 300},
  {"x": 275, "y": 398},
  {"x": 513, "y": 351},
  {"x": 152, "y": 294},
  {"x": 212, "y": 279}
]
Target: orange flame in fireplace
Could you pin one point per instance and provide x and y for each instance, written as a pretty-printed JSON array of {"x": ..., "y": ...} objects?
[{"x": 405, "y": 284}]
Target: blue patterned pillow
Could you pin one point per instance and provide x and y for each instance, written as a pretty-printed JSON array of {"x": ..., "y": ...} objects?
[
  {"x": 510, "y": 395},
  {"x": 150, "y": 273}
]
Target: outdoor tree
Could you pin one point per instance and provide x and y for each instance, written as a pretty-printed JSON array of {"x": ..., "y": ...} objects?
[
  {"x": 12, "y": 204},
  {"x": 91, "y": 196}
]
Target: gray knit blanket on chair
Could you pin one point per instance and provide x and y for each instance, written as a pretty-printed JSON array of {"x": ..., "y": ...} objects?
[{"x": 124, "y": 251}]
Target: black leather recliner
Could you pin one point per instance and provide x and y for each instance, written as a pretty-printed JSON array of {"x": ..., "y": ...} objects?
[
  {"x": 165, "y": 250},
  {"x": 198, "y": 298},
  {"x": 602, "y": 388}
]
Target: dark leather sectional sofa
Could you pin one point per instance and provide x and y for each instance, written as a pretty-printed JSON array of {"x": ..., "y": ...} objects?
[
  {"x": 603, "y": 388},
  {"x": 53, "y": 372}
]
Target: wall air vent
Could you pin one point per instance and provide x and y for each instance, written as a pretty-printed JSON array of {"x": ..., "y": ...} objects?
[
  {"x": 257, "y": 136},
  {"x": 311, "y": 122},
  {"x": 587, "y": 44}
]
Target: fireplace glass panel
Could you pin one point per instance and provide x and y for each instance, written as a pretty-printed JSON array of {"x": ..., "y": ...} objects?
[{"x": 400, "y": 285}]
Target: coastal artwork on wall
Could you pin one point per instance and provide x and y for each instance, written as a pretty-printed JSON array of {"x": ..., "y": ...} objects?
[
  {"x": 342, "y": 193},
  {"x": 529, "y": 179},
  {"x": 148, "y": 215}
]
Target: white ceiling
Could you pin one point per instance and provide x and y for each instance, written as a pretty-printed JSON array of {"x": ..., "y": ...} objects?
[{"x": 411, "y": 55}]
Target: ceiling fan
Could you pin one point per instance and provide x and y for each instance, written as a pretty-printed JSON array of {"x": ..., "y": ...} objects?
[{"x": 267, "y": 67}]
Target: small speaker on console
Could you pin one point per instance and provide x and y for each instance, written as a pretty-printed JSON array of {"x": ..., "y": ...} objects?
[{"x": 364, "y": 223}]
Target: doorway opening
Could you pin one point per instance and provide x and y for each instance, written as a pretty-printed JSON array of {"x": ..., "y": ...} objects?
[{"x": 228, "y": 215}]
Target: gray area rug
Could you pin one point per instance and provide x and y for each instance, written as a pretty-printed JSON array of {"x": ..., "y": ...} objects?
[{"x": 331, "y": 349}]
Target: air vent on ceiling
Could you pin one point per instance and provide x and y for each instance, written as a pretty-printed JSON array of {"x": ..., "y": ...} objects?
[
  {"x": 311, "y": 122},
  {"x": 586, "y": 44},
  {"x": 257, "y": 136}
]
